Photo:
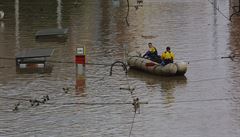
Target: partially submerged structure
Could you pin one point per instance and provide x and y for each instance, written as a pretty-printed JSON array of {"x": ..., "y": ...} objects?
[
  {"x": 52, "y": 34},
  {"x": 33, "y": 59}
]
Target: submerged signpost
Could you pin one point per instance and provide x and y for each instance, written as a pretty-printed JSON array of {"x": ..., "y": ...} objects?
[{"x": 80, "y": 61}]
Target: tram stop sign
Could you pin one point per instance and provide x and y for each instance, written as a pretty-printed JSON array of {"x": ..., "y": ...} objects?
[{"x": 80, "y": 56}]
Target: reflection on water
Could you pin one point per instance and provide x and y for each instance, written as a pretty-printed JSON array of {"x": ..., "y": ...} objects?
[
  {"x": 166, "y": 85},
  {"x": 59, "y": 14},
  {"x": 2, "y": 26},
  {"x": 30, "y": 69},
  {"x": 80, "y": 80},
  {"x": 116, "y": 3}
]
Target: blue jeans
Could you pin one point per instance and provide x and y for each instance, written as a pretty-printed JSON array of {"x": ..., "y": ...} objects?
[
  {"x": 152, "y": 56},
  {"x": 166, "y": 61}
]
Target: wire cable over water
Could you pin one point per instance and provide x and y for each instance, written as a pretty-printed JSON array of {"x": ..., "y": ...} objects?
[
  {"x": 65, "y": 62},
  {"x": 231, "y": 57},
  {"x": 130, "y": 133},
  {"x": 217, "y": 8},
  {"x": 136, "y": 103}
]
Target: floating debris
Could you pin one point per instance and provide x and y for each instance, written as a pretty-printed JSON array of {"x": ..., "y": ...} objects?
[
  {"x": 16, "y": 106},
  {"x": 149, "y": 36},
  {"x": 45, "y": 98},
  {"x": 136, "y": 105},
  {"x": 35, "y": 102},
  {"x": 139, "y": 1},
  {"x": 66, "y": 90},
  {"x": 136, "y": 7},
  {"x": 129, "y": 87}
]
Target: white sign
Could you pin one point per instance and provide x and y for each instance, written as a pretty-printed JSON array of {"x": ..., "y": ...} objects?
[{"x": 80, "y": 51}]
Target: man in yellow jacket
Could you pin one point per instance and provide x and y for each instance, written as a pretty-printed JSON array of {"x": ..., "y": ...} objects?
[
  {"x": 167, "y": 56},
  {"x": 152, "y": 54}
]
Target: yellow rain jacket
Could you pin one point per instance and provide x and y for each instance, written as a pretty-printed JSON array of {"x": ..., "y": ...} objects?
[
  {"x": 152, "y": 50},
  {"x": 167, "y": 55}
]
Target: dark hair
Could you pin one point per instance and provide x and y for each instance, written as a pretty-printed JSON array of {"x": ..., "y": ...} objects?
[
  {"x": 149, "y": 43},
  {"x": 168, "y": 48}
]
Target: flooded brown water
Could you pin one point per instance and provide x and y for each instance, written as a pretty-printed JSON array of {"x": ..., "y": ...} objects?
[{"x": 203, "y": 103}]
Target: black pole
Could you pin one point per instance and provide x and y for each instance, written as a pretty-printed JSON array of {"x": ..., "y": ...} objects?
[
  {"x": 126, "y": 18},
  {"x": 239, "y": 6}
]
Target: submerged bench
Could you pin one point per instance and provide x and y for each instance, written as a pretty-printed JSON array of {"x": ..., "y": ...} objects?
[
  {"x": 51, "y": 32},
  {"x": 33, "y": 56}
]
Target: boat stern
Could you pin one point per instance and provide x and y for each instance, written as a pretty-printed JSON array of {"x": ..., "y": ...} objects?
[{"x": 181, "y": 68}]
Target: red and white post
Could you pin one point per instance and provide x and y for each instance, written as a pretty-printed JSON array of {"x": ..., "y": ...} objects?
[{"x": 80, "y": 60}]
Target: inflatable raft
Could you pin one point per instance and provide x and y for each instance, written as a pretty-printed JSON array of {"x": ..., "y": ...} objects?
[{"x": 135, "y": 60}]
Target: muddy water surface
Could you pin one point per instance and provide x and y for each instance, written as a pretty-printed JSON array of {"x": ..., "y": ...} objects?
[{"x": 205, "y": 102}]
